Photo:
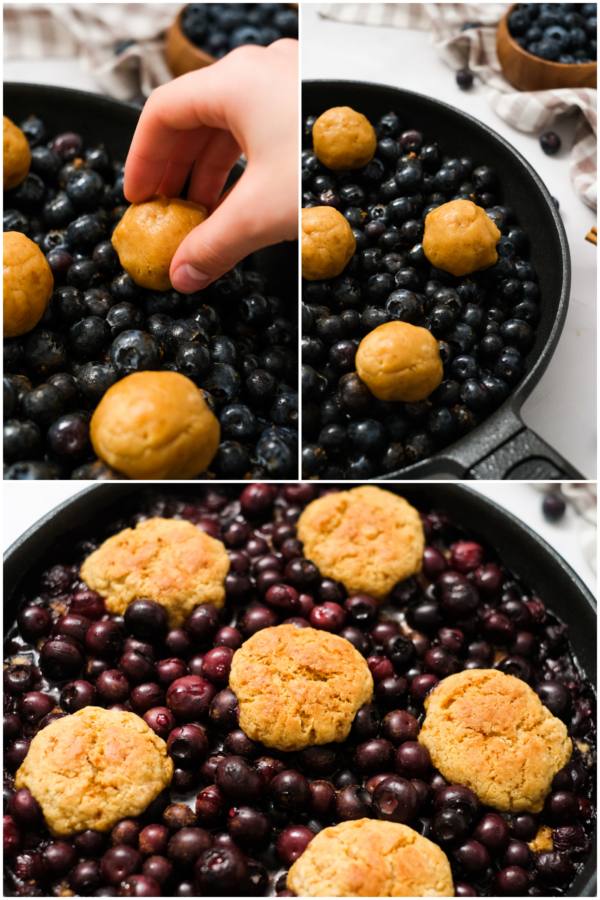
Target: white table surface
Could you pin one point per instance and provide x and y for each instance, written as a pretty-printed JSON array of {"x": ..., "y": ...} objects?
[
  {"x": 26, "y": 502},
  {"x": 562, "y": 408}
]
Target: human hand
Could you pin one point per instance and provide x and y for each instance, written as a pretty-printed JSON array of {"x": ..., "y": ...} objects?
[{"x": 245, "y": 103}]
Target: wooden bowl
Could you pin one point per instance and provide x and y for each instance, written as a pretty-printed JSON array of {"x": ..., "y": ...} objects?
[
  {"x": 182, "y": 55},
  {"x": 530, "y": 73}
]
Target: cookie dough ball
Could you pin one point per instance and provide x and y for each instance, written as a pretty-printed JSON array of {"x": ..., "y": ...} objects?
[
  {"x": 328, "y": 243},
  {"x": 93, "y": 768},
  {"x": 398, "y": 361},
  {"x": 155, "y": 425},
  {"x": 169, "y": 561},
  {"x": 297, "y": 687},
  {"x": 344, "y": 139},
  {"x": 460, "y": 238},
  {"x": 28, "y": 284},
  {"x": 490, "y": 732},
  {"x": 367, "y": 858},
  {"x": 367, "y": 538},
  {"x": 17, "y": 155},
  {"x": 148, "y": 235}
]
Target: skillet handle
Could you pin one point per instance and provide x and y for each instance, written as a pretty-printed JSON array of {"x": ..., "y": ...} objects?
[{"x": 525, "y": 457}]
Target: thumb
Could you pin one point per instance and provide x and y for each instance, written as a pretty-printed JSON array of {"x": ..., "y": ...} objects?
[{"x": 249, "y": 218}]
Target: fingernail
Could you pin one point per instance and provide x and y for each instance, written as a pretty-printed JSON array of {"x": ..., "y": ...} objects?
[{"x": 187, "y": 279}]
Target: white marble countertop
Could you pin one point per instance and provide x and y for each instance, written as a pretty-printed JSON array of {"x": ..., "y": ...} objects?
[
  {"x": 26, "y": 502},
  {"x": 562, "y": 407}
]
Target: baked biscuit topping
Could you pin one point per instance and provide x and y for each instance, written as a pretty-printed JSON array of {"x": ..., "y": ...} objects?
[
  {"x": 490, "y": 732},
  {"x": 367, "y": 538},
  {"x": 169, "y": 561},
  {"x": 366, "y": 858},
  {"x": 93, "y": 768},
  {"x": 297, "y": 687}
]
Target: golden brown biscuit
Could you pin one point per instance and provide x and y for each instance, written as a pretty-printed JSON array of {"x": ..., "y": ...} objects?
[
  {"x": 27, "y": 284},
  {"x": 490, "y": 732},
  {"x": 17, "y": 155},
  {"x": 460, "y": 238},
  {"x": 148, "y": 235},
  {"x": 398, "y": 361},
  {"x": 297, "y": 687},
  {"x": 366, "y": 858},
  {"x": 155, "y": 425},
  {"x": 367, "y": 538},
  {"x": 169, "y": 561},
  {"x": 328, "y": 243},
  {"x": 344, "y": 139},
  {"x": 93, "y": 768}
]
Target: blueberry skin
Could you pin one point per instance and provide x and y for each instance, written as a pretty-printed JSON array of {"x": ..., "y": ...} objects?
[
  {"x": 284, "y": 411},
  {"x": 30, "y": 471},
  {"x": 89, "y": 337},
  {"x": 44, "y": 352},
  {"x": 84, "y": 188},
  {"x": 134, "y": 351},
  {"x": 223, "y": 382},
  {"x": 14, "y": 220},
  {"x": 231, "y": 460},
  {"x": 85, "y": 232},
  {"x": 193, "y": 360},
  {"x": 93, "y": 381},
  {"x": 22, "y": 439},
  {"x": 43, "y": 405},
  {"x": 276, "y": 455}
]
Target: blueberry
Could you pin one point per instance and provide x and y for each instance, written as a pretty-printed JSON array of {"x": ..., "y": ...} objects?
[
  {"x": 83, "y": 274},
  {"x": 44, "y": 352},
  {"x": 553, "y": 508},
  {"x": 105, "y": 257},
  {"x": 14, "y": 220},
  {"x": 231, "y": 460},
  {"x": 192, "y": 359},
  {"x": 276, "y": 454},
  {"x": 89, "y": 337},
  {"x": 84, "y": 188},
  {"x": 247, "y": 34},
  {"x": 28, "y": 196},
  {"x": 98, "y": 302},
  {"x": 134, "y": 351},
  {"x": 404, "y": 305},
  {"x": 68, "y": 439},
  {"x": 85, "y": 232},
  {"x": 22, "y": 440},
  {"x": 314, "y": 460},
  {"x": 223, "y": 382},
  {"x": 284, "y": 411},
  {"x": 58, "y": 212},
  {"x": 238, "y": 422},
  {"x": 93, "y": 380},
  {"x": 34, "y": 130},
  {"x": 475, "y": 395},
  {"x": 367, "y": 436},
  {"x": 68, "y": 305},
  {"x": 124, "y": 288},
  {"x": 550, "y": 143},
  {"x": 67, "y": 145},
  {"x": 124, "y": 317},
  {"x": 30, "y": 471},
  {"x": 43, "y": 405}
]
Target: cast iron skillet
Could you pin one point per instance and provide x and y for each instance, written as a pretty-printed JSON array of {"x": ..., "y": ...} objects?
[
  {"x": 502, "y": 446},
  {"x": 529, "y": 557}
]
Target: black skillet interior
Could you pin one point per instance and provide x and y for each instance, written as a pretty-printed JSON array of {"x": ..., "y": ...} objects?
[
  {"x": 540, "y": 567},
  {"x": 522, "y": 189}
]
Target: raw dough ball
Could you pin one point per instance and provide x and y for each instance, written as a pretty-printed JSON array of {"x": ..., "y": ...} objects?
[
  {"x": 328, "y": 243},
  {"x": 398, "y": 361},
  {"x": 367, "y": 538},
  {"x": 344, "y": 139},
  {"x": 490, "y": 732},
  {"x": 148, "y": 235},
  {"x": 460, "y": 238},
  {"x": 28, "y": 284},
  {"x": 298, "y": 687},
  {"x": 169, "y": 561},
  {"x": 155, "y": 425},
  {"x": 93, "y": 768},
  {"x": 367, "y": 858},
  {"x": 17, "y": 155}
]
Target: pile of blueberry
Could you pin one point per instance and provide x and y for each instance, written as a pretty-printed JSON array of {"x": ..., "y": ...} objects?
[
  {"x": 236, "y": 340},
  {"x": 485, "y": 323},
  {"x": 557, "y": 32},
  {"x": 238, "y": 814},
  {"x": 217, "y": 28}
]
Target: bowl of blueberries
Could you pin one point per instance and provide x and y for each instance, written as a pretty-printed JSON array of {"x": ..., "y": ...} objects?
[
  {"x": 549, "y": 45},
  {"x": 99, "y": 326},
  {"x": 205, "y": 32}
]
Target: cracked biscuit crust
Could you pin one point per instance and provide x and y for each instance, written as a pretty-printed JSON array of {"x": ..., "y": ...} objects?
[
  {"x": 367, "y": 538},
  {"x": 490, "y": 732},
  {"x": 366, "y": 858},
  {"x": 169, "y": 561},
  {"x": 297, "y": 687},
  {"x": 93, "y": 768}
]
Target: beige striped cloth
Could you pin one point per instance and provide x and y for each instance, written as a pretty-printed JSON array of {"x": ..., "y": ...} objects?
[
  {"x": 90, "y": 31},
  {"x": 475, "y": 49}
]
